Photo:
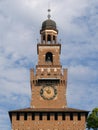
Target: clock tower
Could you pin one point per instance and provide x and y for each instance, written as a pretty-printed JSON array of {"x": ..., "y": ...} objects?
[
  {"x": 48, "y": 107},
  {"x": 49, "y": 84}
]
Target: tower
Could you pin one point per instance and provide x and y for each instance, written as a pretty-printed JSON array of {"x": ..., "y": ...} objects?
[
  {"x": 48, "y": 108},
  {"x": 49, "y": 84}
]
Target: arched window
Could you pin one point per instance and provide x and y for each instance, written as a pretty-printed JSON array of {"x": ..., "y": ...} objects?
[{"x": 49, "y": 57}]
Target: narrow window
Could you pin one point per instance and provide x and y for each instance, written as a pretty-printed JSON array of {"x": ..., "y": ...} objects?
[
  {"x": 33, "y": 116},
  {"x": 49, "y": 57},
  {"x": 40, "y": 116},
  {"x": 25, "y": 116},
  {"x": 71, "y": 116},
  {"x": 49, "y": 38},
  {"x": 79, "y": 116},
  {"x": 63, "y": 116},
  {"x": 54, "y": 39},
  {"x": 48, "y": 116},
  {"x": 17, "y": 116},
  {"x": 43, "y": 39},
  {"x": 56, "y": 116}
]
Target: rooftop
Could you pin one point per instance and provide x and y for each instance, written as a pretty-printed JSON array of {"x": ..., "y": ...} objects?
[{"x": 49, "y": 110}]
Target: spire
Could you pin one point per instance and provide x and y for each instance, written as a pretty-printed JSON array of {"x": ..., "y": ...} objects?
[
  {"x": 49, "y": 10},
  {"x": 49, "y": 23}
]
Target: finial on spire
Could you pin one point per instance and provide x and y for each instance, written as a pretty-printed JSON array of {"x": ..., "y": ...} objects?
[{"x": 49, "y": 10}]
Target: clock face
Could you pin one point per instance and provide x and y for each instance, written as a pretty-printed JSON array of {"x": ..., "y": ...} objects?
[{"x": 48, "y": 92}]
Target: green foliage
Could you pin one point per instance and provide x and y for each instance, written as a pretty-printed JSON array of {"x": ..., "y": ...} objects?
[{"x": 92, "y": 120}]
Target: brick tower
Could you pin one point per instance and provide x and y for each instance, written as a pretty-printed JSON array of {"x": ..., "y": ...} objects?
[{"x": 48, "y": 109}]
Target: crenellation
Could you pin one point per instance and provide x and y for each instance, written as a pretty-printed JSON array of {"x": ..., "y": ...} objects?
[{"x": 43, "y": 121}]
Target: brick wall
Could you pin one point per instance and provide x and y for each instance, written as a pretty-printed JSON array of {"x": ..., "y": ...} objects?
[
  {"x": 58, "y": 102},
  {"x": 40, "y": 122}
]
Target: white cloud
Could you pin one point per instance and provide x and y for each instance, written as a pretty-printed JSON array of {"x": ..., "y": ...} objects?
[
  {"x": 82, "y": 87},
  {"x": 14, "y": 81},
  {"x": 80, "y": 94},
  {"x": 82, "y": 73}
]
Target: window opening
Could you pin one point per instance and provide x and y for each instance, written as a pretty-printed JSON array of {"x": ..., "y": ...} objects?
[
  {"x": 49, "y": 38},
  {"x": 79, "y": 116},
  {"x": 71, "y": 116},
  {"x": 48, "y": 116},
  {"x": 40, "y": 116},
  {"x": 63, "y": 116},
  {"x": 54, "y": 41},
  {"x": 25, "y": 116},
  {"x": 17, "y": 116},
  {"x": 56, "y": 116},
  {"x": 49, "y": 57},
  {"x": 43, "y": 39},
  {"x": 33, "y": 116}
]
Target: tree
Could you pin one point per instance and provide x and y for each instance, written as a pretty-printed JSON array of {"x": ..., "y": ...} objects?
[{"x": 92, "y": 120}]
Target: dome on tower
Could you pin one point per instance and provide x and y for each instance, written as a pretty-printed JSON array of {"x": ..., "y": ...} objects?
[{"x": 49, "y": 24}]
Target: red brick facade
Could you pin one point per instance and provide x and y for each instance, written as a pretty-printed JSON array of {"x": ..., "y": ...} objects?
[{"x": 48, "y": 109}]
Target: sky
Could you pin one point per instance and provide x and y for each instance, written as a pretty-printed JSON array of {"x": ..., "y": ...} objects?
[{"x": 20, "y": 24}]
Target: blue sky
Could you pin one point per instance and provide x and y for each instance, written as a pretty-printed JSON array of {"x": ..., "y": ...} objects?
[{"x": 20, "y": 23}]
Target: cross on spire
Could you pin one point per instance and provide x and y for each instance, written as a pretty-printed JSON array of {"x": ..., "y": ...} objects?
[{"x": 49, "y": 10}]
